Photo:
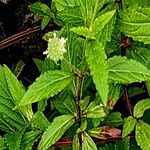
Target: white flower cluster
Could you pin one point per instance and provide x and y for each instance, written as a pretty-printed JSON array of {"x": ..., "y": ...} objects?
[{"x": 56, "y": 48}]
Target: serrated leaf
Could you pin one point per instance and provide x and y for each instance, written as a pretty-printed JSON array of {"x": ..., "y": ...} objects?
[
  {"x": 55, "y": 131},
  {"x": 123, "y": 70},
  {"x": 128, "y": 126},
  {"x": 47, "y": 85},
  {"x": 29, "y": 139},
  {"x": 71, "y": 16},
  {"x": 114, "y": 119},
  {"x": 101, "y": 22},
  {"x": 94, "y": 111},
  {"x": 63, "y": 4},
  {"x": 17, "y": 91},
  {"x": 135, "y": 23},
  {"x": 96, "y": 58},
  {"x": 88, "y": 143},
  {"x": 40, "y": 9},
  {"x": 10, "y": 120},
  {"x": 89, "y": 10},
  {"x": 142, "y": 135},
  {"x": 40, "y": 121},
  {"x": 13, "y": 140},
  {"x": 84, "y": 31},
  {"x": 45, "y": 21},
  {"x": 140, "y": 107}
]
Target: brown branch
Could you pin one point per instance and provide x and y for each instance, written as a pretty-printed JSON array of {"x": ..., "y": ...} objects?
[
  {"x": 19, "y": 36},
  {"x": 65, "y": 142}
]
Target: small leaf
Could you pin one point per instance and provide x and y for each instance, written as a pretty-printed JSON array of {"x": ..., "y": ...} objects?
[
  {"x": 55, "y": 131},
  {"x": 128, "y": 126},
  {"x": 123, "y": 70},
  {"x": 96, "y": 58},
  {"x": 13, "y": 140},
  {"x": 142, "y": 135},
  {"x": 94, "y": 111},
  {"x": 47, "y": 85},
  {"x": 3, "y": 144},
  {"x": 88, "y": 143},
  {"x": 45, "y": 21},
  {"x": 140, "y": 107},
  {"x": 123, "y": 144},
  {"x": 84, "y": 103}
]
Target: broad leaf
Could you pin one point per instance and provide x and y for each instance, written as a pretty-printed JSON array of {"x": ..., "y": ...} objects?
[
  {"x": 47, "y": 85},
  {"x": 142, "y": 135},
  {"x": 13, "y": 140},
  {"x": 123, "y": 70},
  {"x": 140, "y": 107},
  {"x": 128, "y": 126},
  {"x": 55, "y": 131},
  {"x": 135, "y": 23},
  {"x": 76, "y": 143},
  {"x": 96, "y": 58},
  {"x": 88, "y": 143}
]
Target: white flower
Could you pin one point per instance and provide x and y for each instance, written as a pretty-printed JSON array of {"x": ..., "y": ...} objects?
[{"x": 56, "y": 48}]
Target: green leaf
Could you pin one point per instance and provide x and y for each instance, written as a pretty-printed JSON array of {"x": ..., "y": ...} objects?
[
  {"x": 128, "y": 126},
  {"x": 40, "y": 9},
  {"x": 55, "y": 131},
  {"x": 101, "y": 22},
  {"x": 114, "y": 119},
  {"x": 84, "y": 103},
  {"x": 140, "y": 107},
  {"x": 84, "y": 31},
  {"x": 76, "y": 143},
  {"x": 123, "y": 70},
  {"x": 123, "y": 144},
  {"x": 47, "y": 85},
  {"x": 10, "y": 120},
  {"x": 63, "y": 4},
  {"x": 96, "y": 58},
  {"x": 94, "y": 111},
  {"x": 135, "y": 23},
  {"x": 17, "y": 91},
  {"x": 13, "y": 140},
  {"x": 40, "y": 121},
  {"x": 89, "y": 10},
  {"x": 3, "y": 144},
  {"x": 88, "y": 143},
  {"x": 142, "y": 135},
  {"x": 29, "y": 139},
  {"x": 45, "y": 21},
  {"x": 71, "y": 16}
]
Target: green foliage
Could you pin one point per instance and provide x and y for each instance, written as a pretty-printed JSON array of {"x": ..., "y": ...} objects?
[
  {"x": 128, "y": 126},
  {"x": 140, "y": 107},
  {"x": 104, "y": 46},
  {"x": 47, "y": 85},
  {"x": 55, "y": 130}
]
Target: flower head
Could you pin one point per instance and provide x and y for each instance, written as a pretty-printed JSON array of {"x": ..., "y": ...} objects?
[{"x": 56, "y": 48}]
